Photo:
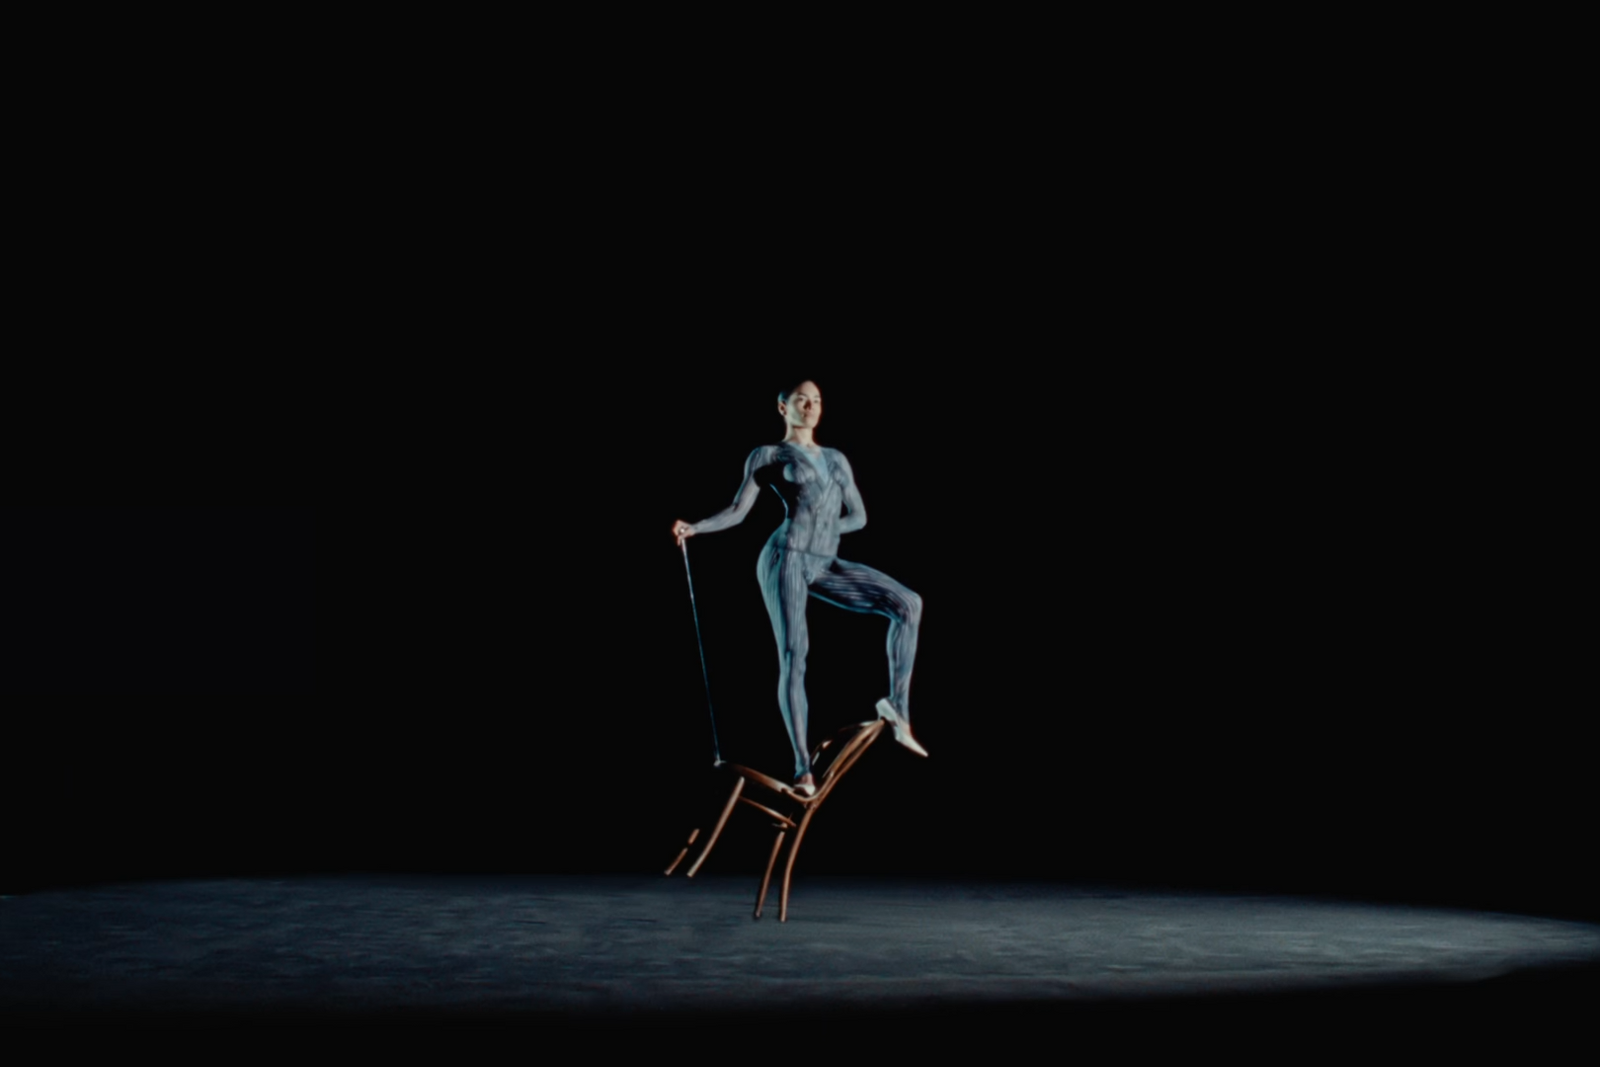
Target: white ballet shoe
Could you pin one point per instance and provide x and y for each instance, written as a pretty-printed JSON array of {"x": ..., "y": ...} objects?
[
  {"x": 805, "y": 786},
  {"x": 902, "y": 729}
]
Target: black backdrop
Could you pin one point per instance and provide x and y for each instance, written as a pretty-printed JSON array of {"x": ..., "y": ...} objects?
[
  {"x": 1186, "y": 624},
  {"x": 163, "y": 600}
]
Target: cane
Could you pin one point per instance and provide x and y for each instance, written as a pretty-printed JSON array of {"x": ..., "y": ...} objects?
[{"x": 716, "y": 751}]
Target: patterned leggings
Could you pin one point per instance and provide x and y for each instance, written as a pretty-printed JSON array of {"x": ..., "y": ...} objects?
[{"x": 787, "y": 578}]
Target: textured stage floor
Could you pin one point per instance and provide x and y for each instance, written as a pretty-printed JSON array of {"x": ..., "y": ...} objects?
[{"x": 510, "y": 948}]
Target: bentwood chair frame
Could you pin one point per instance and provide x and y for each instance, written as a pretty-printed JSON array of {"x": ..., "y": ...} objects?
[{"x": 843, "y": 750}]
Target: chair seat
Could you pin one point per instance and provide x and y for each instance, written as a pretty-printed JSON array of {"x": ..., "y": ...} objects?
[{"x": 758, "y": 778}]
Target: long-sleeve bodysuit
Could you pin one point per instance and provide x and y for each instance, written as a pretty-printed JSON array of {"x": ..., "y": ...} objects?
[{"x": 801, "y": 559}]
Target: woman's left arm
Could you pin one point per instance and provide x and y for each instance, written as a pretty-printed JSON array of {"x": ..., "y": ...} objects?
[{"x": 855, "y": 512}]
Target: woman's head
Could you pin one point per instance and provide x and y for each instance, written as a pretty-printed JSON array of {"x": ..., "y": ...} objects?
[
  {"x": 801, "y": 405},
  {"x": 806, "y": 383}
]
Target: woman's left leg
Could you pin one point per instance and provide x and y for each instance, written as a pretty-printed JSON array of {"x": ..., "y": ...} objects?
[{"x": 857, "y": 587}]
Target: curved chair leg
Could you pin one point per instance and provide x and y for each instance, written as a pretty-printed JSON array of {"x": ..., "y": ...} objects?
[
  {"x": 766, "y": 879},
  {"x": 788, "y": 868},
  {"x": 727, "y": 809},
  {"x": 682, "y": 852}
]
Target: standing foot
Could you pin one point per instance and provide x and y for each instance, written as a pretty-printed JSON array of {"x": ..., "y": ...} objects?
[
  {"x": 805, "y": 785},
  {"x": 902, "y": 729}
]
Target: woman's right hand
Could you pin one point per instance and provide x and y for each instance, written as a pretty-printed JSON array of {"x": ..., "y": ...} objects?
[{"x": 682, "y": 531}]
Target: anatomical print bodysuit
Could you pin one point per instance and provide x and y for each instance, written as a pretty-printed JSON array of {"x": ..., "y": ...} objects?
[{"x": 801, "y": 560}]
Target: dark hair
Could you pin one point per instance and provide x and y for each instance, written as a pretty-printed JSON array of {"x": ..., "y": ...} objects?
[{"x": 785, "y": 394}]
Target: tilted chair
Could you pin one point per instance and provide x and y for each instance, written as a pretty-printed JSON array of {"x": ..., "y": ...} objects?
[{"x": 840, "y": 753}]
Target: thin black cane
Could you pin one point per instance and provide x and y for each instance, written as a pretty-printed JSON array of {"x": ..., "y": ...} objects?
[{"x": 716, "y": 750}]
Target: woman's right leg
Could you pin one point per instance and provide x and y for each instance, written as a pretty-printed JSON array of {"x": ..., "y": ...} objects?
[{"x": 783, "y": 587}]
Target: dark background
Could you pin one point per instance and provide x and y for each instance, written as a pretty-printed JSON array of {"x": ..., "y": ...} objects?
[
  {"x": 1202, "y": 421},
  {"x": 1186, "y": 624},
  {"x": 161, "y": 600}
]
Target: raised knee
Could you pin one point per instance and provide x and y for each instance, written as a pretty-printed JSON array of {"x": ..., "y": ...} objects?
[{"x": 913, "y": 607}]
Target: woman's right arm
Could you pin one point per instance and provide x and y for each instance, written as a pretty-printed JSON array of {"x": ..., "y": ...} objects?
[{"x": 743, "y": 501}]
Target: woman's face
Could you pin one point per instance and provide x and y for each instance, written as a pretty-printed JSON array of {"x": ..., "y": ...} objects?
[{"x": 804, "y": 407}]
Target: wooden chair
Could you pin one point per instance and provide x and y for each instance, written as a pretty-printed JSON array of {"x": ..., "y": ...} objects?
[{"x": 789, "y": 810}]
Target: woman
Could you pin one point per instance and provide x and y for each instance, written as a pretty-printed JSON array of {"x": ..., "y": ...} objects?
[{"x": 801, "y": 560}]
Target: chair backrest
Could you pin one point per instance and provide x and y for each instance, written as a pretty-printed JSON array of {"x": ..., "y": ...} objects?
[{"x": 842, "y": 750}]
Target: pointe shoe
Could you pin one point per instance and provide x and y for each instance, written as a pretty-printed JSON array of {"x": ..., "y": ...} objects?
[
  {"x": 902, "y": 729},
  {"x": 805, "y": 786}
]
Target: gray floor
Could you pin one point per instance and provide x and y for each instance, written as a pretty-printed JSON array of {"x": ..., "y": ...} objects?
[{"x": 651, "y": 945}]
